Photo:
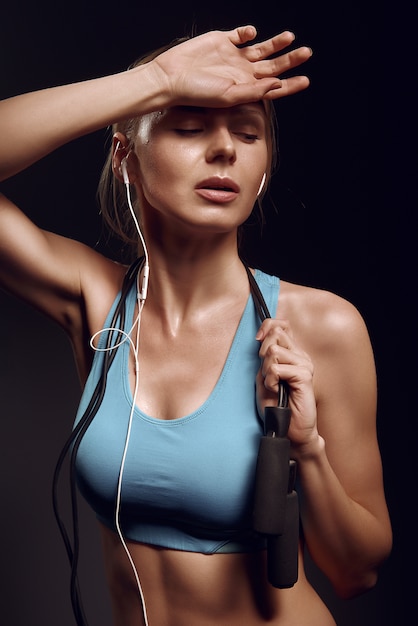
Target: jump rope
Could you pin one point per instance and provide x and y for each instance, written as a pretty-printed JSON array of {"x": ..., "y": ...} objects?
[
  {"x": 115, "y": 338},
  {"x": 276, "y": 512}
]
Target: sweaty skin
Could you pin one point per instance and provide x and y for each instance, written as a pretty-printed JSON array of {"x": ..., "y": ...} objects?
[{"x": 195, "y": 168}]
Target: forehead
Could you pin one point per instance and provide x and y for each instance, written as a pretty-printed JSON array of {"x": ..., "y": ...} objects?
[{"x": 250, "y": 108}]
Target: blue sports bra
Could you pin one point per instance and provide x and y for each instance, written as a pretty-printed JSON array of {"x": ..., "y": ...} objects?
[{"x": 187, "y": 482}]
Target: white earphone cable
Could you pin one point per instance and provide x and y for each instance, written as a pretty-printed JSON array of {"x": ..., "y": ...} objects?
[{"x": 134, "y": 345}]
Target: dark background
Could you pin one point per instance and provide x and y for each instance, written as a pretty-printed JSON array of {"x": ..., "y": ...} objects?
[{"x": 341, "y": 220}]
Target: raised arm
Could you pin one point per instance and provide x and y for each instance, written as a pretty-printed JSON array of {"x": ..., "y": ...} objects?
[
  {"x": 211, "y": 70},
  {"x": 215, "y": 69}
]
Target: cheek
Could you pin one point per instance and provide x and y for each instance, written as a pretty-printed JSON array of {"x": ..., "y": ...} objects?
[
  {"x": 163, "y": 166},
  {"x": 160, "y": 175},
  {"x": 152, "y": 163}
]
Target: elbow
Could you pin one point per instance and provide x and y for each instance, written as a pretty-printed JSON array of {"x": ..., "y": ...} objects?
[
  {"x": 350, "y": 584},
  {"x": 349, "y": 587}
]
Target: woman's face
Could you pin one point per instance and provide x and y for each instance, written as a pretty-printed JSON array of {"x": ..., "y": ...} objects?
[{"x": 201, "y": 167}]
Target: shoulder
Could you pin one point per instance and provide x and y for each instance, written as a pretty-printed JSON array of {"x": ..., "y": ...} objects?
[
  {"x": 323, "y": 320},
  {"x": 333, "y": 333}
]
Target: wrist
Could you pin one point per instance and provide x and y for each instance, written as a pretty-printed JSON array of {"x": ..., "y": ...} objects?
[
  {"x": 309, "y": 450},
  {"x": 137, "y": 91},
  {"x": 153, "y": 87}
]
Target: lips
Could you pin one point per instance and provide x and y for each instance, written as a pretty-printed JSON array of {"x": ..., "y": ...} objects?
[{"x": 218, "y": 189}]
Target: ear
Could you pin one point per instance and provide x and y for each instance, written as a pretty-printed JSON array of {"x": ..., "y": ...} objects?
[{"x": 123, "y": 154}]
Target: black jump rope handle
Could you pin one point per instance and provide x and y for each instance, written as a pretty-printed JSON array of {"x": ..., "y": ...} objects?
[{"x": 276, "y": 508}]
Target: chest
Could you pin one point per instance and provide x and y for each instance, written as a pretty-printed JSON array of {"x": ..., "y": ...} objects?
[
  {"x": 196, "y": 468},
  {"x": 176, "y": 373}
]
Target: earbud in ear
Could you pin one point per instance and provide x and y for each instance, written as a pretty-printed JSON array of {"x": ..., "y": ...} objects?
[
  {"x": 124, "y": 171},
  {"x": 263, "y": 180}
]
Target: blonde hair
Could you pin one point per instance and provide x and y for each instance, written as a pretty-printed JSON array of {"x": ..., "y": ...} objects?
[{"x": 111, "y": 192}]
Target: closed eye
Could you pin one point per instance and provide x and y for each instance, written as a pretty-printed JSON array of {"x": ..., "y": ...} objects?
[
  {"x": 188, "y": 131},
  {"x": 249, "y": 137}
]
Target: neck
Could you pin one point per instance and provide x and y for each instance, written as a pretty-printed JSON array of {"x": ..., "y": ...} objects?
[{"x": 183, "y": 283}]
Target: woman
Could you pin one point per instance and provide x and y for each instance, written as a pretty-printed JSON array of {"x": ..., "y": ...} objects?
[{"x": 169, "y": 457}]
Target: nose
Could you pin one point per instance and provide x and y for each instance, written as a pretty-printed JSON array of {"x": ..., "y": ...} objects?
[{"x": 221, "y": 145}]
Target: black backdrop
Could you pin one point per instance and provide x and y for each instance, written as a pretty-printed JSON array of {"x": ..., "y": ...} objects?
[{"x": 333, "y": 225}]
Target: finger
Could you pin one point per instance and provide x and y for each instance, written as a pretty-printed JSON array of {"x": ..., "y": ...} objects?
[
  {"x": 272, "y": 379},
  {"x": 277, "y": 349},
  {"x": 279, "y": 356},
  {"x": 242, "y": 34},
  {"x": 296, "y": 371},
  {"x": 264, "y": 49},
  {"x": 282, "y": 63},
  {"x": 288, "y": 87},
  {"x": 282, "y": 350},
  {"x": 271, "y": 325},
  {"x": 262, "y": 89}
]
